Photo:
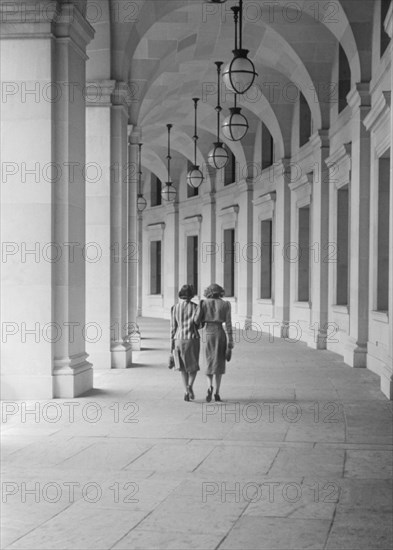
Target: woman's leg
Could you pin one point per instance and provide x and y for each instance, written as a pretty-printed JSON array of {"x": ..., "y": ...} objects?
[
  {"x": 210, "y": 380},
  {"x": 218, "y": 382},
  {"x": 191, "y": 378},
  {"x": 184, "y": 376}
]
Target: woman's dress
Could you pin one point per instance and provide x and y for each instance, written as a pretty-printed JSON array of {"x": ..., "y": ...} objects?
[
  {"x": 185, "y": 336},
  {"x": 211, "y": 314}
]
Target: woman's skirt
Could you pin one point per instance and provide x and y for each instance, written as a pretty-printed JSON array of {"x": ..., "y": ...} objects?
[
  {"x": 214, "y": 348},
  {"x": 186, "y": 355}
]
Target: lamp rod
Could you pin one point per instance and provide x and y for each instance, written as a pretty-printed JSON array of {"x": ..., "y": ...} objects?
[
  {"x": 218, "y": 108},
  {"x": 195, "y": 100},
  {"x": 169, "y": 126}
]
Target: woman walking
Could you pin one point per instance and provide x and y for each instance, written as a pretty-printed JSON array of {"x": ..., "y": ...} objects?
[
  {"x": 185, "y": 339},
  {"x": 217, "y": 344}
]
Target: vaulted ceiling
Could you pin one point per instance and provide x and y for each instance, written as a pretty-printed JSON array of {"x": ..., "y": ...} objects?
[{"x": 165, "y": 51}]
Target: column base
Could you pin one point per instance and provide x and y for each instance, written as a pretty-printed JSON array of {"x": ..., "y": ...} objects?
[
  {"x": 356, "y": 355},
  {"x": 121, "y": 357},
  {"x": 134, "y": 338},
  {"x": 319, "y": 340},
  {"x": 73, "y": 384}
]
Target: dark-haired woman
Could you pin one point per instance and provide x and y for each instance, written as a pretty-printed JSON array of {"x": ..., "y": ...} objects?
[
  {"x": 217, "y": 344},
  {"x": 185, "y": 339}
]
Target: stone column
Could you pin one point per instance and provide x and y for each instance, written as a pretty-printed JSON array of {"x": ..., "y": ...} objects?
[
  {"x": 387, "y": 380},
  {"x": 319, "y": 225},
  {"x": 356, "y": 350},
  {"x": 140, "y": 265},
  {"x": 170, "y": 265},
  {"x": 209, "y": 245},
  {"x": 98, "y": 215},
  {"x": 43, "y": 200},
  {"x": 134, "y": 249},
  {"x": 120, "y": 346},
  {"x": 282, "y": 237},
  {"x": 246, "y": 251}
]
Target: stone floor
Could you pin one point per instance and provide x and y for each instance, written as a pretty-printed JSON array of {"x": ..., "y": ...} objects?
[{"x": 297, "y": 456}]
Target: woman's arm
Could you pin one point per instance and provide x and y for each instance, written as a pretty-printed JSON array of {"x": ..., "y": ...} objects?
[
  {"x": 228, "y": 326},
  {"x": 173, "y": 327},
  {"x": 199, "y": 315}
]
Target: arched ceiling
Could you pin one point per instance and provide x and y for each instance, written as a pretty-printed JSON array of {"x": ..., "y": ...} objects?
[{"x": 167, "y": 53}]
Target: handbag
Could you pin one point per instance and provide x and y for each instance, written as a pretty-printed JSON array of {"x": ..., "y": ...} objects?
[{"x": 171, "y": 361}]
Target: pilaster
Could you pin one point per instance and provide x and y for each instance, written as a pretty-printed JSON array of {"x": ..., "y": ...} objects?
[
  {"x": 134, "y": 335},
  {"x": 356, "y": 350},
  {"x": 43, "y": 200}
]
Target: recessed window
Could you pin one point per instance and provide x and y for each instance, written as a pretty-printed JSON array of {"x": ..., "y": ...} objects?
[
  {"x": 192, "y": 262},
  {"x": 156, "y": 187},
  {"x": 230, "y": 169},
  {"x": 191, "y": 191},
  {"x": 383, "y": 233},
  {"x": 304, "y": 255},
  {"x": 155, "y": 267},
  {"x": 385, "y": 38},
  {"x": 305, "y": 127},
  {"x": 229, "y": 262},
  {"x": 266, "y": 259},
  {"x": 342, "y": 246},
  {"x": 344, "y": 79},
  {"x": 267, "y": 148}
]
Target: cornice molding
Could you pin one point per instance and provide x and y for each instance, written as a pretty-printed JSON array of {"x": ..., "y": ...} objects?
[{"x": 379, "y": 112}]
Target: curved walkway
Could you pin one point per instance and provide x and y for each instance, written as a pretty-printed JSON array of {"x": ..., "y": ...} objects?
[{"x": 297, "y": 456}]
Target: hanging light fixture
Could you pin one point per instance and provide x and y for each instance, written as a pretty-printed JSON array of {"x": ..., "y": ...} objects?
[
  {"x": 195, "y": 176},
  {"x": 239, "y": 74},
  {"x": 141, "y": 202},
  {"x": 218, "y": 156},
  {"x": 168, "y": 192},
  {"x": 235, "y": 126}
]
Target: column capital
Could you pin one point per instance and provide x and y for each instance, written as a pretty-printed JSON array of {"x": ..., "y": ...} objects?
[
  {"x": 320, "y": 139},
  {"x": 49, "y": 18},
  {"x": 359, "y": 96},
  {"x": 134, "y": 134},
  {"x": 379, "y": 112},
  {"x": 121, "y": 95},
  {"x": 98, "y": 94},
  {"x": 209, "y": 198},
  {"x": 172, "y": 208}
]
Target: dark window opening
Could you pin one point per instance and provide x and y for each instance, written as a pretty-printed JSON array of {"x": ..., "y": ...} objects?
[
  {"x": 304, "y": 255},
  {"x": 229, "y": 262},
  {"x": 266, "y": 259},
  {"x": 156, "y": 186},
  {"x": 267, "y": 148},
  {"x": 305, "y": 126},
  {"x": 155, "y": 267},
  {"x": 344, "y": 79},
  {"x": 342, "y": 246},
  {"x": 385, "y": 38},
  {"x": 230, "y": 169},
  {"x": 192, "y": 262}
]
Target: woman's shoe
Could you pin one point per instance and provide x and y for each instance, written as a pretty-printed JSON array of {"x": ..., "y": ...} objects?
[
  {"x": 209, "y": 394},
  {"x": 217, "y": 397},
  {"x": 191, "y": 392},
  {"x": 186, "y": 396}
]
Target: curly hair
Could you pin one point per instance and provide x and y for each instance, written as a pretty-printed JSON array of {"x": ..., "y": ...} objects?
[
  {"x": 214, "y": 291},
  {"x": 186, "y": 292}
]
